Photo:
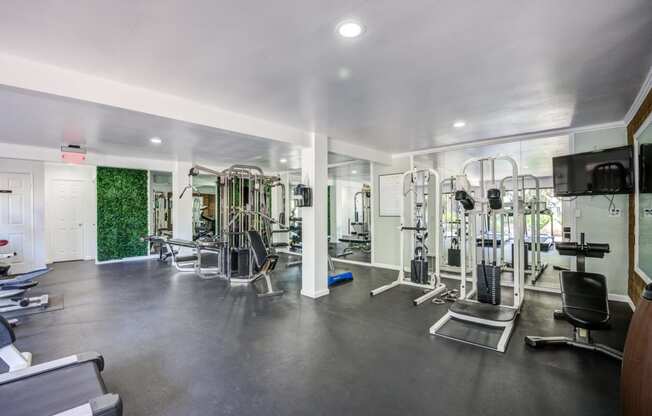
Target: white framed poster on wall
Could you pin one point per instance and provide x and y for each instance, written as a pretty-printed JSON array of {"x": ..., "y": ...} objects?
[{"x": 390, "y": 194}]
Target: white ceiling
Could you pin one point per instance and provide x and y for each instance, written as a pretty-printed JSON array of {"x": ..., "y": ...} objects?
[
  {"x": 504, "y": 66},
  {"x": 49, "y": 121}
]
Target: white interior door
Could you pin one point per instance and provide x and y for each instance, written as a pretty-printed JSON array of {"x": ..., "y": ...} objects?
[
  {"x": 16, "y": 218},
  {"x": 68, "y": 220}
]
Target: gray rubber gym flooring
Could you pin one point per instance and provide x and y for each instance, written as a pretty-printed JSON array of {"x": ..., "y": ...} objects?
[{"x": 178, "y": 345}]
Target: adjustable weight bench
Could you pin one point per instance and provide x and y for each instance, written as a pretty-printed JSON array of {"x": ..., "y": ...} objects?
[
  {"x": 265, "y": 262},
  {"x": 70, "y": 386},
  {"x": 584, "y": 299}
]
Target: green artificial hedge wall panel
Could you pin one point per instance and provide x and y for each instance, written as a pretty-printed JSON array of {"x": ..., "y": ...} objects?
[{"x": 121, "y": 213}]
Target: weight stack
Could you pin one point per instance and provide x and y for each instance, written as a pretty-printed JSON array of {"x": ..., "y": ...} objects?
[
  {"x": 419, "y": 271},
  {"x": 240, "y": 262},
  {"x": 454, "y": 257},
  {"x": 492, "y": 294}
]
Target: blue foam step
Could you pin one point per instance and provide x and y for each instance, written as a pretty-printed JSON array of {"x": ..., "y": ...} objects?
[{"x": 334, "y": 279}]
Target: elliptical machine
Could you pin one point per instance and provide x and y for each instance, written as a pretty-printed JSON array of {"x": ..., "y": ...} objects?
[{"x": 420, "y": 277}]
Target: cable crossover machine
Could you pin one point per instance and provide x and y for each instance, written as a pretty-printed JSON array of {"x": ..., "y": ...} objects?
[{"x": 418, "y": 181}]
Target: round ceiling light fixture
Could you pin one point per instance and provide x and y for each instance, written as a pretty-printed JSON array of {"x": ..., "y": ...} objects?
[
  {"x": 156, "y": 140},
  {"x": 354, "y": 172},
  {"x": 284, "y": 161},
  {"x": 350, "y": 29},
  {"x": 459, "y": 124}
]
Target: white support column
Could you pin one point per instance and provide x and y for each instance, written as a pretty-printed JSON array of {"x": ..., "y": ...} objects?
[
  {"x": 181, "y": 208},
  {"x": 314, "y": 173}
]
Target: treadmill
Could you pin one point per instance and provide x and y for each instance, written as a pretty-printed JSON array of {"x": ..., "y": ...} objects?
[{"x": 70, "y": 386}]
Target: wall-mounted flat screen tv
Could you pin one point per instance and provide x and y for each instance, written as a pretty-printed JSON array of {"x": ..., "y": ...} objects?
[{"x": 602, "y": 172}]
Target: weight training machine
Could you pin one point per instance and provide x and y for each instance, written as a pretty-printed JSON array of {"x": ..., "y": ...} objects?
[
  {"x": 534, "y": 207},
  {"x": 450, "y": 228},
  {"x": 193, "y": 262},
  {"x": 14, "y": 299},
  {"x": 419, "y": 181},
  {"x": 69, "y": 386},
  {"x": 484, "y": 321},
  {"x": 359, "y": 236},
  {"x": 244, "y": 204},
  {"x": 584, "y": 298}
]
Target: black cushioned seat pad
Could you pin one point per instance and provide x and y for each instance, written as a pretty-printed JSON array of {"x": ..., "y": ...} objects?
[
  {"x": 584, "y": 299},
  {"x": 52, "y": 392}
]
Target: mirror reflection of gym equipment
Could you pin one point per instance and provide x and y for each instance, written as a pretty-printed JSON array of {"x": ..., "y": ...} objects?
[
  {"x": 161, "y": 205},
  {"x": 349, "y": 211}
]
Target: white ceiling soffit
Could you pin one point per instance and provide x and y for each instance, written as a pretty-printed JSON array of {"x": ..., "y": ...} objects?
[
  {"x": 338, "y": 158},
  {"x": 506, "y": 67},
  {"x": 358, "y": 171},
  {"x": 48, "y": 121}
]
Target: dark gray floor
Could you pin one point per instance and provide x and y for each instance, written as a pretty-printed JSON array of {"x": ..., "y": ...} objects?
[
  {"x": 178, "y": 345},
  {"x": 335, "y": 250}
]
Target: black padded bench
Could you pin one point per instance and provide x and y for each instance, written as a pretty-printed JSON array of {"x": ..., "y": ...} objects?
[{"x": 584, "y": 299}]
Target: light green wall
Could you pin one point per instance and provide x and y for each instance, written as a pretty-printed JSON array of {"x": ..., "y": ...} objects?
[{"x": 593, "y": 218}]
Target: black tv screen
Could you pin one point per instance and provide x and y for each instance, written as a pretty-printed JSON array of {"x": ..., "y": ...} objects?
[
  {"x": 603, "y": 172},
  {"x": 645, "y": 168}
]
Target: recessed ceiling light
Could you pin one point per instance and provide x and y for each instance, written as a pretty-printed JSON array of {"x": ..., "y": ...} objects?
[
  {"x": 344, "y": 73},
  {"x": 283, "y": 160},
  {"x": 459, "y": 124},
  {"x": 350, "y": 29},
  {"x": 156, "y": 140},
  {"x": 354, "y": 172}
]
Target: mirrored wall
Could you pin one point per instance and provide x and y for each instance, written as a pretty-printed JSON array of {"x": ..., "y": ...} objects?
[
  {"x": 545, "y": 214},
  {"x": 643, "y": 156},
  {"x": 160, "y": 186},
  {"x": 349, "y": 209},
  {"x": 204, "y": 206}
]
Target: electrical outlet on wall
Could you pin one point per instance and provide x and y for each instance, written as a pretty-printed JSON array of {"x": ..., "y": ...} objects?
[
  {"x": 647, "y": 212},
  {"x": 614, "y": 212}
]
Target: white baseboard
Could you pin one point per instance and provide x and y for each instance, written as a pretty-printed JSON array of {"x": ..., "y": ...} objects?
[
  {"x": 622, "y": 298},
  {"x": 315, "y": 295},
  {"x": 128, "y": 259}
]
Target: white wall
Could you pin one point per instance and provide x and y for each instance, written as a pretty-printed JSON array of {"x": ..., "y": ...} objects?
[
  {"x": 593, "y": 219},
  {"x": 36, "y": 258},
  {"x": 87, "y": 175},
  {"x": 21, "y": 155}
]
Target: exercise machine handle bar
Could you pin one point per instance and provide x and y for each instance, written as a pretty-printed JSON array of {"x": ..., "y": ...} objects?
[{"x": 414, "y": 228}]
